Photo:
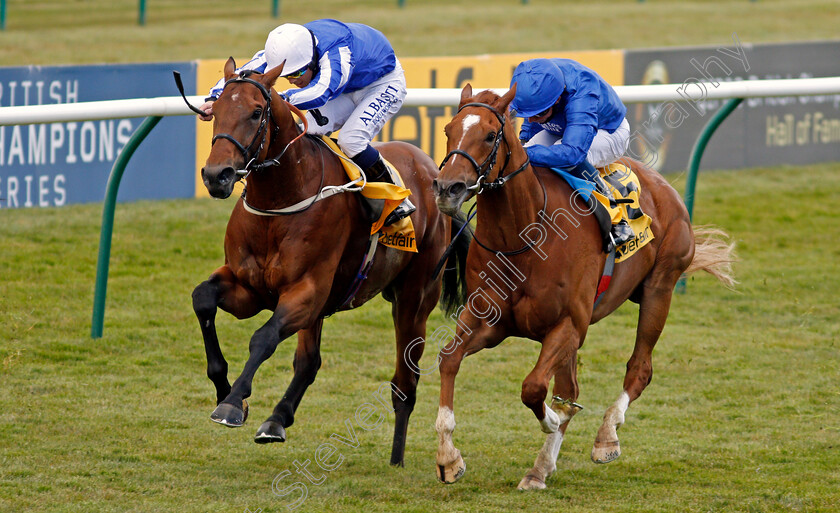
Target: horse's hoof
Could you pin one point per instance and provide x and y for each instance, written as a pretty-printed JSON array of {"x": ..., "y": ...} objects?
[
  {"x": 605, "y": 452},
  {"x": 270, "y": 432},
  {"x": 531, "y": 482},
  {"x": 229, "y": 415},
  {"x": 398, "y": 463},
  {"x": 452, "y": 472}
]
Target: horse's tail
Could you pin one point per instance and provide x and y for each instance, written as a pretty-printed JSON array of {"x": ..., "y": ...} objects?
[
  {"x": 713, "y": 253},
  {"x": 454, "y": 275}
]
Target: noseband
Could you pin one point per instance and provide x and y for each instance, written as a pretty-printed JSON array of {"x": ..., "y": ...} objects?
[
  {"x": 249, "y": 153},
  {"x": 483, "y": 169}
]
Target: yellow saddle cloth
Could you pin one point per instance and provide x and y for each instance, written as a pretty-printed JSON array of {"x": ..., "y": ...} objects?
[
  {"x": 624, "y": 184},
  {"x": 399, "y": 235}
]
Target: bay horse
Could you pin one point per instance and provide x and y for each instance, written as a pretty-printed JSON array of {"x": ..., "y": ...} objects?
[
  {"x": 544, "y": 252},
  {"x": 302, "y": 266}
]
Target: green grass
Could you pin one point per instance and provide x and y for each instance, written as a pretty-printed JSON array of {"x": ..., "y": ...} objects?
[
  {"x": 742, "y": 414},
  {"x": 93, "y": 31}
]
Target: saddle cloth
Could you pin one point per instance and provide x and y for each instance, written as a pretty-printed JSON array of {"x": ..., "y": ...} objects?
[
  {"x": 399, "y": 235},
  {"x": 624, "y": 184}
]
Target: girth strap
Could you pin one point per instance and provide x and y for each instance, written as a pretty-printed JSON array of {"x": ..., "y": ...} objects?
[
  {"x": 362, "y": 275},
  {"x": 606, "y": 277}
]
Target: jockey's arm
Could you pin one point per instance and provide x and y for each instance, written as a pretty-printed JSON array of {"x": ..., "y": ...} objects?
[
  {"x": 581, "y": 114},
  {"x": 528, "y": 131},
  {"x": 569, "y": 153},
  {"x": 327, "y": 84}
]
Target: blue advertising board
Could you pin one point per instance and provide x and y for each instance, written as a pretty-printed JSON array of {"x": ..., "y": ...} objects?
[{"x": 64, "y": 163}]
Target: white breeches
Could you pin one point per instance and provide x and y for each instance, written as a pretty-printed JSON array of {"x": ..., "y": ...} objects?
[{"x": 361, "y": 114}]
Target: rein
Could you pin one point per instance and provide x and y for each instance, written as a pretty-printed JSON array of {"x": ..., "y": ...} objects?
[
  {"x": 262, "y": 132},
  {"x": 484, "y": 169},
  {"x": 528, "y": 245},
  {"x": 323, "y": 193},
  {"x": 250, "y": 156}
]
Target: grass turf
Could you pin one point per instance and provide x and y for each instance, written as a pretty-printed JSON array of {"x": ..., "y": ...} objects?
[
  {"x": 93, "y": 31},
  {"x": 741, "y": 415}
]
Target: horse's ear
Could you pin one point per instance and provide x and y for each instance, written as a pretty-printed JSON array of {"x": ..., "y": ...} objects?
[
  {"x": 504, "y": 101},
  {"x": 230, "y": 68},
  {"x": 271, "y": 75},
  {"x": 466, "y": 94}
]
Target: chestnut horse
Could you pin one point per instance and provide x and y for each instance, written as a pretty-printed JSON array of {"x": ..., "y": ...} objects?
[
  {"x": 303, "y": 265},
  {"x": 544, "y": 253}
]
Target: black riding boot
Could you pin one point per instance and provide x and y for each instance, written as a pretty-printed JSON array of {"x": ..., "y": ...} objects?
[
  {"x": 621, "y": 231},
  {"x": 378, "y": 172}
]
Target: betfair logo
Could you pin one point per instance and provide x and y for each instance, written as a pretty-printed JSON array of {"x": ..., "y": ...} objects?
[{"x": 396, "y": 240}]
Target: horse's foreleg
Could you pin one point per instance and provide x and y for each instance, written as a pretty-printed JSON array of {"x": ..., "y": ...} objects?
[
  {"x": 293, "y": 312},
  {"x": 306, "y": 364},
  {"x": 653, "y": 311},
  {"x": 563, "y": 403},
  {"x": 558, "y": 358},
  {"x": 450, "y": 464},
  {"x": 220, "y": 288},
  {"x": 410, "y": 312}
]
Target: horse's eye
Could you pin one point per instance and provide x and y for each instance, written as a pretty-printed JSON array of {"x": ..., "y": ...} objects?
[
  {"x": 490, "y": 137},
  {"x": 257, "y": 114}
]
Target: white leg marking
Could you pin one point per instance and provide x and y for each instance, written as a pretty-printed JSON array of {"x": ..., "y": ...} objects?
[
  {"x": 445, "y": 425},
  {"x": 606, "y": 447},
  {"x": 551, "y": 421},
  {"x": 615, "y": 413},
  {"x": 546, "y": 462}
]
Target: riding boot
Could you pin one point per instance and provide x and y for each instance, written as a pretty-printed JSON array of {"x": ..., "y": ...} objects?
[
  {"x": 378, "y": 172},
  {"x": 621, "y": 231}
]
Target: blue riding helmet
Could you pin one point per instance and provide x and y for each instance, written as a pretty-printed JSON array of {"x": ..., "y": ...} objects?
[{"x": 539, "y": 84}]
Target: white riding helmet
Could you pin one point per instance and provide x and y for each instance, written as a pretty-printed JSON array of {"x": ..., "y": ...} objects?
[{"x": 291, "y": 43}]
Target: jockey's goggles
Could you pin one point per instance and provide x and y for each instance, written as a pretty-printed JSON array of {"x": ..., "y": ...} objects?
[
  {"x": 299, "y": 73},
  {"x": 544, "y": 113}
]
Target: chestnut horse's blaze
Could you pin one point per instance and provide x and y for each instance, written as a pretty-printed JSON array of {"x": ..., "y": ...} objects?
[
  {"x": 301, "y": 266},
  {"x": 549, "y": 292}
]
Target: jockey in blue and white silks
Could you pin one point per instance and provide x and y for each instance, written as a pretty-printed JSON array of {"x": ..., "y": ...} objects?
[
  {"x": 575, "y": 121},
  {"x": 347, "y": 78}
]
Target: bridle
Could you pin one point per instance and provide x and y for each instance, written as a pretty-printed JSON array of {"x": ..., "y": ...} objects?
[
  {"x": 249, "y": 154},
  {"x": 483, "y": 169},
  {"x": 301, "y": 206},
  {"x": 259, "y": 139}
]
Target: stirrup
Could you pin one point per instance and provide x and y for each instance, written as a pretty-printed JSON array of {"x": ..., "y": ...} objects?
[
  {"x": 622, "y": 233},
  {"x": 405, "y": 209},
  {"x": 602, "y": 187}
]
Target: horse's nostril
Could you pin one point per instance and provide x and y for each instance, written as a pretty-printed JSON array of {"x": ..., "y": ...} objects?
[
  {"x": 226, "y": 175},
  {"x": 456, "y": 189}
]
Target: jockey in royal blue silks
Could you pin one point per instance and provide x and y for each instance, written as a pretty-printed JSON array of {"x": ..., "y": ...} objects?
[
  {"x": 574, "y": 121},
  {"x": 348, "y": 78}
]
